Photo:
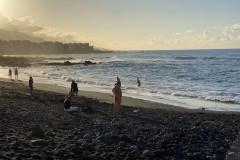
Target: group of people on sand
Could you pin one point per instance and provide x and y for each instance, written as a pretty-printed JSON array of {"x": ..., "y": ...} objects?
[
  {"x": 15, "y": 72},
  {"x": 74, "y": 91},
  {"x": 68, "y": 98},
  {"x": 30, "y": 82}
]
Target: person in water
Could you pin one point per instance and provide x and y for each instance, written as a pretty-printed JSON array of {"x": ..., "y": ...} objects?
[
  {"x": 138, "y": 82},
  {"x": 31, "y": 84},
  {"x": 117, "y": 95},
  {"x": 74, "y": 88}
]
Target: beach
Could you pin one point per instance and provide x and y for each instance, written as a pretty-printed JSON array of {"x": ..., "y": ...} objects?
[{"x": 37, "y": 127}]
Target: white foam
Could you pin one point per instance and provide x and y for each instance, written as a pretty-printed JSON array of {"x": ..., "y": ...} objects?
[{"x": 68, "y": 79}]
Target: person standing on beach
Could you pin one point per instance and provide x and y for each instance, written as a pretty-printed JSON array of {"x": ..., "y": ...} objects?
[
  {"x": 16, "y": 73},
  {"x": 31, "y": 84},
  {"x": 74, "y": 88},
  {"x": 138, "y": 82},
  {"x": 10, "y": 73},
  {"x": 118, "y": 96}
]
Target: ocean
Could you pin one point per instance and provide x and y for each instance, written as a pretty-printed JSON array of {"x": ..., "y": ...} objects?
[{"x": 191, "y": 79}]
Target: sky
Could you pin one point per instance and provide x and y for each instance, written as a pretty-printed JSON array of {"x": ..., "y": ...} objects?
[{"x": 128, "y": 24}]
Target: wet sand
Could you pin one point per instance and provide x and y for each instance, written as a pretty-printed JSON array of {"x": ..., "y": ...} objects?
[{"x": 37, "y": 127}]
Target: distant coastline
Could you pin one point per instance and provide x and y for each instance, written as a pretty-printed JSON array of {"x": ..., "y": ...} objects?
[{"x": 26, "y": 47}]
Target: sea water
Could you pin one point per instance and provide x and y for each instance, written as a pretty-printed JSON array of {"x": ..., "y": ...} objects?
[{"x": 192, "y": 79}]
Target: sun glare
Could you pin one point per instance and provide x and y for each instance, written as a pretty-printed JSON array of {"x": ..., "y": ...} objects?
[{"x": 1, "y": 3}]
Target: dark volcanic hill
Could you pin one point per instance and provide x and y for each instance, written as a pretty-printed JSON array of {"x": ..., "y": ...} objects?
[{"x": 13, "y": 35}]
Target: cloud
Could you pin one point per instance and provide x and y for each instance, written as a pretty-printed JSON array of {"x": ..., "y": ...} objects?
[
  {"x": 232, "y": 32},
  {"x": 24, "y": 24},
  {"x": 3, "y": 20},
  {"x": 182, "y": 33},
  {"x": 56, "y": 34},
  {"x": 189, "y": 31},
  {"x": 207, "y": 39},
  {"x": 218, "y": 27},
  {"x": 28, "y": 26}
]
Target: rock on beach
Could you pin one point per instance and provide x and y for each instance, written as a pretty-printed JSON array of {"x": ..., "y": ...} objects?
[{"x": 37, "y": 127}]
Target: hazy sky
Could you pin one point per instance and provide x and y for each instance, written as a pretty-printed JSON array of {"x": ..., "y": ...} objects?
[{"x": 128, "y": 24}]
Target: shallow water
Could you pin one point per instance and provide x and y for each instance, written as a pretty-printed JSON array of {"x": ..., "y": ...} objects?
[{"x": 186, "y": 78}]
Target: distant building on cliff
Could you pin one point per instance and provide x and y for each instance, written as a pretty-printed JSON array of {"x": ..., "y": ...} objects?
[
  {"x": 28, "y": 47},
  {"x": 79, "y": 47}
]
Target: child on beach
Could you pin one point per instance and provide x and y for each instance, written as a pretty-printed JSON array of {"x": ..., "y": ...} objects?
[
  {"x": 118, "y": 96},
  {"x": 10, "y": 73},
  {"x": 74, "y": 87},
  {"x": 31, "y": 84}
]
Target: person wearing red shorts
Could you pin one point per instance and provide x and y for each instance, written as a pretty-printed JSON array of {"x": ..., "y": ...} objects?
[{"x": 118, "y": 96}]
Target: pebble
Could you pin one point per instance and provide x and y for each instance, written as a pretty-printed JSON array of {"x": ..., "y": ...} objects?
[
  {"x": 38, "y": 132},
  {"x": 211, "y": 158},
  {"x": 148, "y": 153},
  {"x": 3, "y": 128},
  {"x": 99, "y": 121},
  {"x": 38, "y": 142},
  {"x": 108, "y": 135},
  {"x": 135, "y": 148},
  {"x": 147, "y": 134},
  {"x": 199, "y": 156},
  {"x": 235, "y": 148},
  {"x": 232, "y": 156},
  {"x": 216, "y": 144},
  {"x": 87, "y": 136}
]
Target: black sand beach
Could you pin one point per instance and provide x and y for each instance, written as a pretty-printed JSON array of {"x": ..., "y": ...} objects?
[{"x": 37, "y": 127}]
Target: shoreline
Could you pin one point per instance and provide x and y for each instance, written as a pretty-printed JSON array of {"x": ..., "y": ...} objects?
[
  {"x": 37, "y": 127},
  {"x": 102, "y": 97},
  {"x": 213, "y": 102},
  {"x": 109, "y": 98}
]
